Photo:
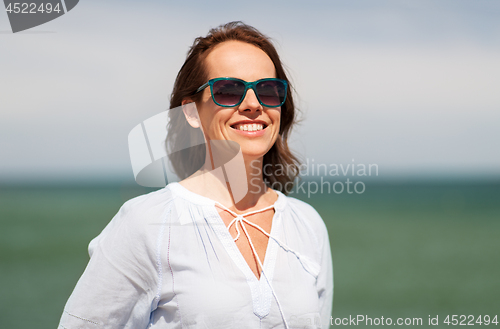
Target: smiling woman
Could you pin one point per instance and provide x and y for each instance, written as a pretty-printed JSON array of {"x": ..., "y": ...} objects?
[{"x": 196, "y": 254}]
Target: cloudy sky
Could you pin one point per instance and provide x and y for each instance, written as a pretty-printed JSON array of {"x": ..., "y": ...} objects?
[{"x": 412, "y": 86}]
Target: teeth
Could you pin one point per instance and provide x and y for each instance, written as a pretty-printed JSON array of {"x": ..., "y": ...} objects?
[{"x": 251, "y": 127}]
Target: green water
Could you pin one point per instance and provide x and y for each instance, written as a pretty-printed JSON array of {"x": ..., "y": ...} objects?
[{"x": 400, "y": 250}]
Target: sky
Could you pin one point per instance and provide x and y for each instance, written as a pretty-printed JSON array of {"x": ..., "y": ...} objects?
[{"x": 411, "y": 86}]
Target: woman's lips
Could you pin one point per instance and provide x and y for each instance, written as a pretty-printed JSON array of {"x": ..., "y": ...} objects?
[
  {"x": 249, "y": 126},
  {"x": 250, "y": 129}
]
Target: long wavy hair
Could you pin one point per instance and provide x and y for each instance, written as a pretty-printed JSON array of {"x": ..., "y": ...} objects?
[{"x": 280, "y": 163}]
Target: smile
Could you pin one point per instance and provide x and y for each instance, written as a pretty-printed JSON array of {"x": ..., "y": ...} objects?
[{"x": 249, "y": 127}]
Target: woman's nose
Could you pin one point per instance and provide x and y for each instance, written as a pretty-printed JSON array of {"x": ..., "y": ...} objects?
[{"x": 250, "y": 103}]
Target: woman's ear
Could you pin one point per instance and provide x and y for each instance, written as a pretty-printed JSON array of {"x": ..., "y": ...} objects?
[{"x": 191, "y": 113}]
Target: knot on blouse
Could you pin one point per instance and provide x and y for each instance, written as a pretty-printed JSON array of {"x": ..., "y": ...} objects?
[
  {"x": 240, "y": 219},
  {"x": 308, "y": 265}
]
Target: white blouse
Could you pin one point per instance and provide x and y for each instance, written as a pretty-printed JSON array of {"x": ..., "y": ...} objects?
[{"x": 167, "y": 260}]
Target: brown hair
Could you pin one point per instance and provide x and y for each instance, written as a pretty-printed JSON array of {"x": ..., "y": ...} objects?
[{"x": 280, "y": 159}]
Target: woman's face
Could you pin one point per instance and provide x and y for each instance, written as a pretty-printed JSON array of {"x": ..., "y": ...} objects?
[{"x": 247, "y": 62}]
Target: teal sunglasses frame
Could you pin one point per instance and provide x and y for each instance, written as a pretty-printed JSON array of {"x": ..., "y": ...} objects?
[{"x": 248, "y": 85}]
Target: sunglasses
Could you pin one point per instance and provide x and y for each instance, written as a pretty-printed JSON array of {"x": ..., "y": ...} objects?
[{"x": 230, "y": 92}]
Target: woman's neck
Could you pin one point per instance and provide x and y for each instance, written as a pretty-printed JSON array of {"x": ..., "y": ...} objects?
[{"x": 237, "y": 184}]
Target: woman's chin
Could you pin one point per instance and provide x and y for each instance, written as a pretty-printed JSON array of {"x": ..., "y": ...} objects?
[
  {"x": 253, "y": 148},
  {"x": 250, "y": 154}
]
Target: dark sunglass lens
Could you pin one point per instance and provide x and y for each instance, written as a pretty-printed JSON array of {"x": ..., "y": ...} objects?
[
  {"x": 271, "y": 92},
  {"x": 228, "y": 92}
]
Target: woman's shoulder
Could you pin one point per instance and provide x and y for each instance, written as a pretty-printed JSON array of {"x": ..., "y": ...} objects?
[
  {"x": 143, "y": 203},
  {"x": 135, "y": 214},
  {"x": 304, "y": 212},
  {"x": 156, "y": 205},
  {"x": 302, "y": 206}
]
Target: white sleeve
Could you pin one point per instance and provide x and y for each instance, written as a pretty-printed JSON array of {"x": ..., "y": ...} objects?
[
  {"x": 119, "y": 285},
  {"x": 325, "y": 282}
]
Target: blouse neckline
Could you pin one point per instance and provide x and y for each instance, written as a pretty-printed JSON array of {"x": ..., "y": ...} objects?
[
  {"x": 183, "y": 192},
  {"x": 261, "y": 288}
]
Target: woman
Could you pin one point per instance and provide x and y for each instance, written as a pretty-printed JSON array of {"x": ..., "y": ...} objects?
[{"x": 200, "y": 253}]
